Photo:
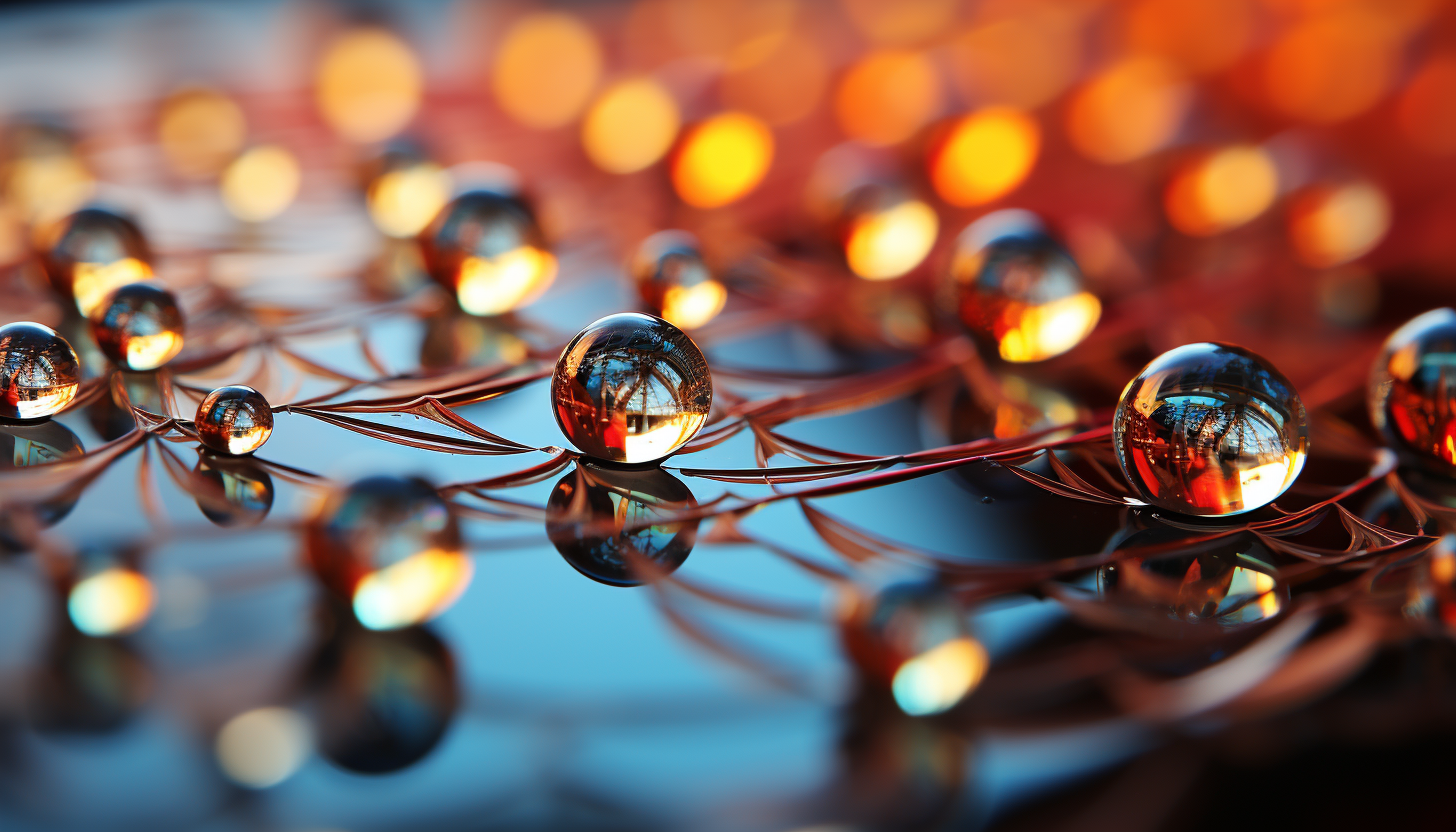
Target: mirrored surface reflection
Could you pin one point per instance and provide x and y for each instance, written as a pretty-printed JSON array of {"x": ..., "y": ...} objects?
[
  {"x": 232, "y": 491},
  {"x": 455, "y": 339},
  {"x": 603, "y": 521},
  {"x": 26, "y": 446},
  {"x": 396, "y": 270},
  {"x": 85, "y": 684}
]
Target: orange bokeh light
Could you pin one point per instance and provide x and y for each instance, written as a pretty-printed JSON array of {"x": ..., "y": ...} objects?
[
  {"x": 1334, "y": 224},
  {"x": 1221, "y": 190},
  {"x": 722, "y": 159},
  {"x": 1426, "y": 115},
  {"x": 1333, "y": 66},
  {"x": 985, "y": 156},
  {"x": 887, "y": 96},
  {"x": 369, "y": 85},
  {"x": 900, "y": 21},
  {"x": 630, "y": 126},
  {"x": 1128, "y": 110},
  {"x": 1201, "y": 36},
  {"x": 546, "y": 69},
  {"x": 1023, "y": 58}
]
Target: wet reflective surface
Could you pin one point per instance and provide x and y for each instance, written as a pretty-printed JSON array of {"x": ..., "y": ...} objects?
[
  {"x": 603, "y": 521},
  {"x": 235, "y": 491},
  {"x": 486, "y": 247},
  {"x": 92, "y": 252},
  {"x": 1412, "y": 390},
  {"x": 631, "y": 388},
  {"x": 675, "y": 282},
  {"x": 138, "y": 326},
  {"x": 234, "y": 420},
  {"x": 1210, "y": 429},
  {"x": 39, "y": 372},
  {"x": 24, "y": 446}
]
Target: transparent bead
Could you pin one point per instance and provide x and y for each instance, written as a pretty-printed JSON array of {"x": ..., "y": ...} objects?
[
  {"x": 1014, "y": 285},
  {"x": 486, "y": 248},
  {"x": 675, "y": 281},
  {"x": 608, "y": 523},
  {"x": 404, "y": 190},
  {"x": 39, "y": 372},
  {"x": 234, "y": 420},
  {"x": 27, "y": 446},
  {"x": 138, "y": 326},
  {"x": 631, "y": 388},
  {"x": 886, "y": 232},
  {"x": 1228, "y": 581},
  {"x": 92, "y": 252},
  {"x": 232, "y": 491},
  {"x": 913, "y": 638},
  {"x": 390, "y": 547},
  {"x": 1412, "y": 391},
  {"x": 1210, "y": 429}
]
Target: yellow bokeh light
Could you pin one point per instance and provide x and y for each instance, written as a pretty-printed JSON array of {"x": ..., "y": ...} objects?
[
  {"x": 546, "y": 69},
  {"x": 722, "y": 159},
  {"x": 111, "y": 602},
  {"x": 1036, "y": 333},
  {"x": 369, "y": 85},
  {"x": 47, "y": 187},
  {"x": 888, "y": 96},
  {"x": 936, "y": 680},
  {"x": 984, "y": 156},
  {"x": 494, "y": 285},
  {"x": 403, "y": 201},
  {"x": 689, "y": 307},
  {"x": 1333, "y": 225},
  {"x": 888, "y": 242},
  {"x": 261, "y": 183},
  {"x": 1222, "y": 190},
  {"x": 200, "y": 131},
  {"x": 630, "y": 126},
  {"x": 92, "y": 282},
  {"x": 263, "y": 747},
  {"x": 413, "y": 590},
  {"x": 1128, "y": 110}
]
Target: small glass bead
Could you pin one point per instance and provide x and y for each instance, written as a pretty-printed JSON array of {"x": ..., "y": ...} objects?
[
  {"x": 1016, "y": 286},
  {"x": 39, "y": 372},
  {"x": 234, "y": 420},
  {"x": 886, "y": 232},
  {"x": 675, "y": 282},
  {"x": 1210, "y": 429},
  {"x": 390, "y": 547},
  {"x": 138, "y": 326},
  {"x": 631, "y": 388},
  {"x": 1412, "y": 391},
  {"x": 92, "y": 252},
  {"x": 404, "y": 190},
  {"x": 487, "y": 249},
  {"x": 232, "y": 491},
  {"x": 607, "y": 524},
  {"x": 1228, "y": 582}
]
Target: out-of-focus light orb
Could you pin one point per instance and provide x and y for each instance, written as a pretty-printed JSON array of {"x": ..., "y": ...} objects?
[
  {"x": 263, "y": 747},
  {"x": 390, "y": 547},
  {"x": 609, "y": 523},
  {"x": 888, "y": 96},
  {"x": 112, "y": 601},
  {"x": 1017, "y": 286},
  {"x": 1334, "y": 65},
  {"x": 235, "y": 420},
  {"x": 92, "y": 252},
  {"x": 984, "y": 156},
  {"x": 1128, "y": 110},
  {"x": 785, "y": 86},
  {"x": 406, "y": 195},
  {"x": 1210, "y": 429},
  {"x": 261, "y": 184},
  {"x": 1334, "y": 224},
  {"x": 368, "y": 84},
  {"x": 631, "y": 388},
  {"x": 39, "y": 372},
  {"x": 913, "y": 639},
  {"x": 901, "y": 21},
  {"x": 139, "y": 326},
  {"x": 41, "y": 175},
  {"x": 1227, "y": 582},
  {"x": 487, "y": 248},
  {"x": 200, "y": 131},
  {"x": 887, "y": 233},
  {"x": 675, "y": 281},
  {"x": 721, "y": 159},
  {"x": 1412, "y": 389},
  {"x": 1222, "y": 190},
  {"x": 235, "y": 492},
  {"x": 1425, "y": 114},
  {"x": 631, "y": 125},
  {"x": 1201, "y": 36},
  {"x": 546, "y": 69},
  {"x": 1020, "y": 54}
]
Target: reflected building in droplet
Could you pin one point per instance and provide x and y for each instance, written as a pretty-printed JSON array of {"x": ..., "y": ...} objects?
[
  {"x": 232, "y": 491},
  {"x": 28, "y": 446},
  {"x": 604, "y": 522}
]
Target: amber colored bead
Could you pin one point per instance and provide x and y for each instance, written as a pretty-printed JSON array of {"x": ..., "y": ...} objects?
[
  {"x": 675, "y": 281},
  {"x": 234, "y": 420},
  {"x": 631, "y": 388},
  {"x": 486, "y": 247},
  {"x": 1210, "y": 429},
  {"x": 92, "y": 252},
  {"x": 39, "y": 372},
  {"x": 608, "y": 523},
  {"x": 138, "y": 326},
  {"x": 1227, "y": 581},
  {"x": 1412, "y": 392}
]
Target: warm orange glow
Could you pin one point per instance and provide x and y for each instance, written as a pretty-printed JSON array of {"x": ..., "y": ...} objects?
[
  {"x": 888, "y": 242},
  {"x": 934, "y": 681},
  {"x": 722, "y": 159},
  {"x": 368, "y": 85},
  {"x": 782, "y": 88},
  {"x": 200, "y": 131},
  {"x": 1333, "y": 66},
  {"x": 1426, "y": 114},
  {"x": 1036, "y": 333},
  {"x": 888, "y": 96},
  {"x": 403, "y": 201},
  {"x": 92, "y": 282},
  {"x": 1022, "y": 57},
  {"x": 260, "y": 184},
  {"x": 413, "y": 590},
  {"x": 111, "y": 602},
  {"x": 1333, "y": 225},
  {"x": 689, "y": 307},
  {"x": 985, "y": 156},
  {"x": 1222, "y": 190},
  {"x": 1202, "y": 36},
  {"x": 1128, "y": 110},
  {"x": 494, "y": 285},
  {"x": 630, "y": 126},
  {"x": 732, "y": 33},
  {"x": 900, "y": 21},
  {"x": 546, "y": 69},
  {"x": 47, "y": 187}
]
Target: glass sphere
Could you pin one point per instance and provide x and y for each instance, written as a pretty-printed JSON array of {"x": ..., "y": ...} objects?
[
  {"x": 1412, "y": 391},
  {"x": 1228, "y": 582},
  {"x": 232, "y": 491},
  {"x": 674, "y": 280},
  {"x": 39, "y": 372},
  {"x": 1210, "y": 429},
  {"x": 487, "y": 249},
  {"x": 404, "y": 190},
  {"x": 886, "y": 232},
  {"x": 391, "y": 548},
  {"x": 1013, "y": 284},
  {"x": 92, "y": 252},
  {"x": 234, "y": 420},
  {"x": 138, "y": 326},
  {"x": 26, "y": 446},
  {"x": 605, "y": 522},
  {"x": 631, "y": 388}
]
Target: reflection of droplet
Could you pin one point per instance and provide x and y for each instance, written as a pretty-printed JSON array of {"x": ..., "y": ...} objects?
[
  {"x": 1412, "y": 389},
  {"x": 263, "y": 747},
  {"x": 86, "y": 685},
  {"x": 603, "y": 522},
  {"x": 238, "y": 490},
  {"x": 674, "y": 280},
  {"x": 1228, "y": 581},
  {"x": 1019, "y": 407},
  {"x": 138, "y": 326},
  {"x": 39, "y": 372},
  {"x": 235, "y": 419},
  {"x": 25, "y": 446},
  {"x": 455, "y": 339},
  {"x": 92, "y": 252},
  {"x": 487, "y": 248}
]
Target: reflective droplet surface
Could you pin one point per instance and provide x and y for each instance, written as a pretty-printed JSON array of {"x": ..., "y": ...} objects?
[
  {"x": 390, "y": 547},
  {"x": 234, "y": 420},
  {"x": 138, "y": 326},
  {"x": 1412, "y": 390},
  {"x": 487, "y": 249},
  {"x": 1210, "y": 429},
  {"x": 92, "y": 252},
  {"x": 606, "y": 523},
  {"x": 39, "y": 372},
  {"x": 1014, "y": 285},
  {"x": 404, "y": 191},
  {"x": 27, "y": 446},
  {"x": 232, "y": 491},
  {"x": 1020, "y": 407},
  {"x": 674, "y": 280},
  {"x": 886, "y": 232},
  {"x": 631, "y": 388},
  {"x": 1228, "y": 581}
]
